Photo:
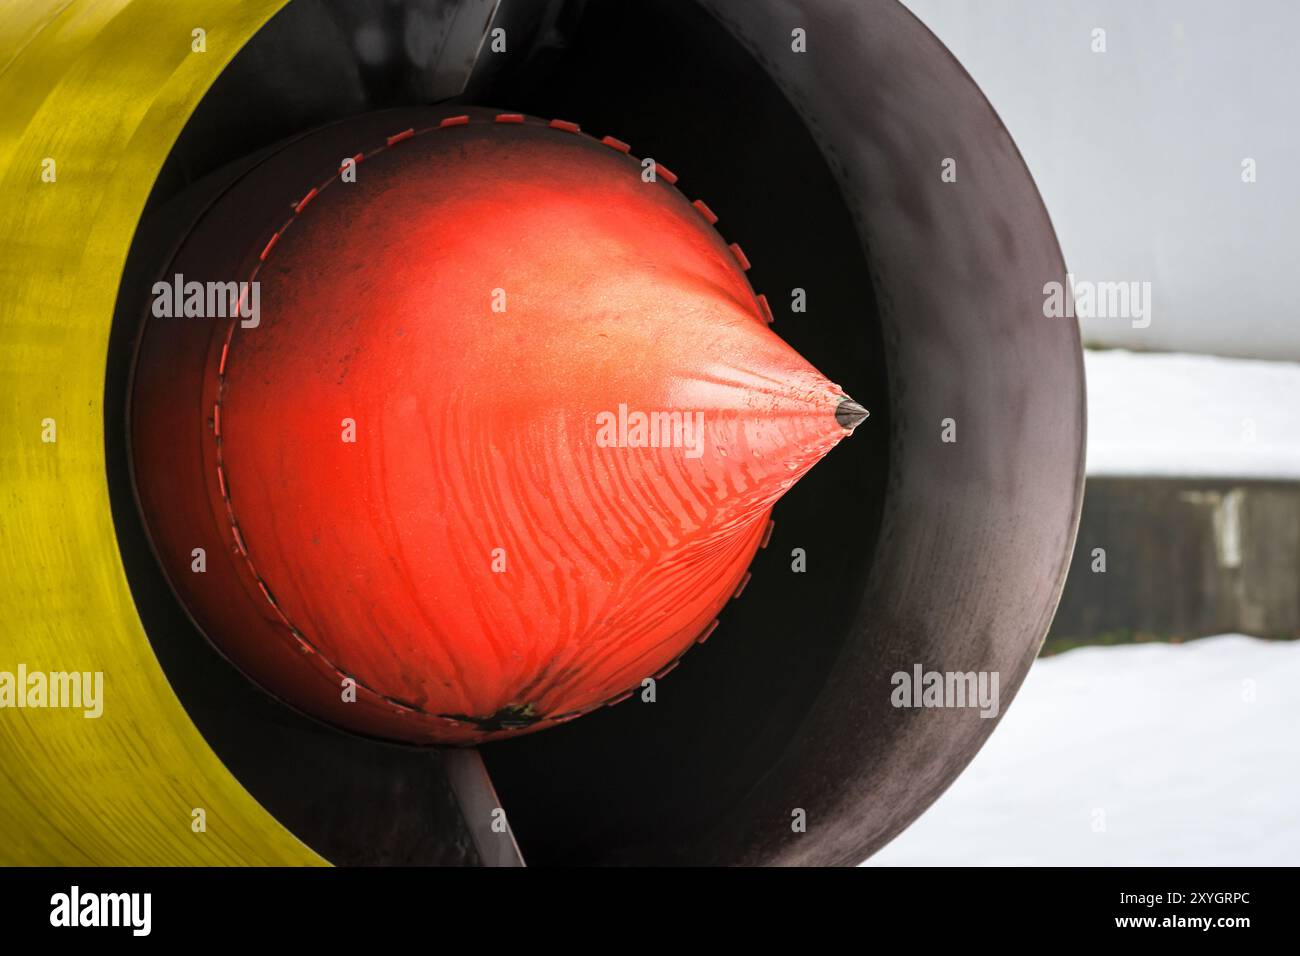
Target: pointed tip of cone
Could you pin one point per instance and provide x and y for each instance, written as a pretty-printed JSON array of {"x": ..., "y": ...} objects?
[{"x": 850, "y": 414}]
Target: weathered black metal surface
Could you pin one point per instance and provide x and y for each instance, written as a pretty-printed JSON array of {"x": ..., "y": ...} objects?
[
  {"x": 319, "y": 60},
  {"x": 924, "y": 302},
  {"x": 974, "y": 536},
  {"x": 638, "y": 782}
]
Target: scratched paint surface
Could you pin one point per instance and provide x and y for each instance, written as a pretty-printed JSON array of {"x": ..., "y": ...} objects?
[{"x": 489, "y": 302}]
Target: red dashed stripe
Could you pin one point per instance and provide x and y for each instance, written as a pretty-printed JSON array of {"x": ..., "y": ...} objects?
[
  {"x": 708, "y": 632},
  {"x": 740, "y": 256},
  {"x": 265, "y": 252},
  {"x": 740, "y": 588},
  {"x": 668, "y": 670}
]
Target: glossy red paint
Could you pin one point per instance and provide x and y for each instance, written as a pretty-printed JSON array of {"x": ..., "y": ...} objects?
[{"x": 423, "y": 470}]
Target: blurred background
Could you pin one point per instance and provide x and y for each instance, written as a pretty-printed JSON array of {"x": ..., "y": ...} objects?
[{"x": 1159, "y": 725}]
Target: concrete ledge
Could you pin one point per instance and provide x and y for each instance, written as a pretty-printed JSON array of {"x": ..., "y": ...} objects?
[{"x": 1183, "y": 558}]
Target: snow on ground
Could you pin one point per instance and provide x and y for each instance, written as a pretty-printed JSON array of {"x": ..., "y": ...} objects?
[
  {"x": 1192, "y": 415},
  {"x": 1162, "y": 754}
]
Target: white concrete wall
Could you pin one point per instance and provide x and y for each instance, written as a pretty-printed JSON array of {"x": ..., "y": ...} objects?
[{"x": 1138, "y": 152}]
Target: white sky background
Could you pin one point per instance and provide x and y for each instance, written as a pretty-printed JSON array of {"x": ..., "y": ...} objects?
[{"x": 1137, "y": 152}]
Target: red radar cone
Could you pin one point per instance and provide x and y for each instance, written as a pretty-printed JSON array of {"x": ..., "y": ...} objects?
[{"x": 498, "y": 443}]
